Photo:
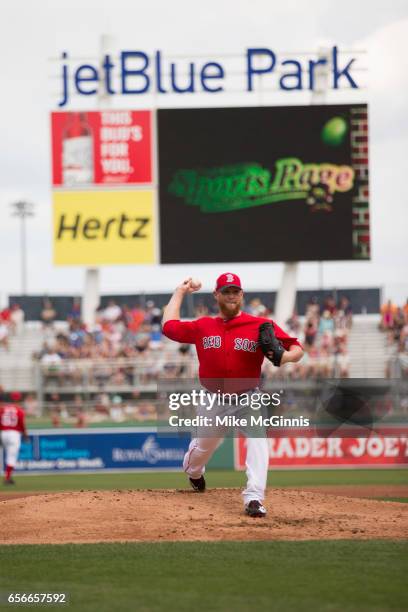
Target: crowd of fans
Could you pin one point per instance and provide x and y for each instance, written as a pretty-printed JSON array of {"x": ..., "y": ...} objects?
[
  {"x": 125, "y": 349},
  {"x": 120, "y": 334},
  {"x": 121, "y": 348},
  {"x": 394, "y": 323},
  {"x": 81, "y": 411},
  {"x": 324, "y": 337}
]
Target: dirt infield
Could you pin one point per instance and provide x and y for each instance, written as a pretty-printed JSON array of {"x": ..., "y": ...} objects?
[
  {"x": 160, "y": 515},
  {"x": 368, "y": 491}
]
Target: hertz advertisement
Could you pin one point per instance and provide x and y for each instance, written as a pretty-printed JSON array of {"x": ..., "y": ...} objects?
[
  {"x": 264, "y": 184},
  {"x": 104, "y": 227}
]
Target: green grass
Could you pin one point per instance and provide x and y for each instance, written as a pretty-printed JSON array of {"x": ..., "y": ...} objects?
[
  {"x": 215, "y": 478},
  {"x": 401, "y": 500},
  {"x": 342, "y": 576},
  {"x": 46, "y": 423}
]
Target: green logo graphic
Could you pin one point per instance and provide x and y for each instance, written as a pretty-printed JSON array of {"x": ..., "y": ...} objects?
[
  {"x": 334, "y": 131},
  {"x": 229, "y": 188}
]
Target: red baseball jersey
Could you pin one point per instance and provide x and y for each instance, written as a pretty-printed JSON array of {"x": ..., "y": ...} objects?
[
  {"x": 226, "y": 349},
  {"x": 12, "y": 417}
]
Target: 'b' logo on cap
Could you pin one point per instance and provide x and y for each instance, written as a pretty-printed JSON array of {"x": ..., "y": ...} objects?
[{"x": 230, "y": 278}]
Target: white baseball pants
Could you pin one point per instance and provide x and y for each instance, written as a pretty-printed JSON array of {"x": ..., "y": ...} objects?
[
  {"x": 201, "y": 450},
  {"x": 11, "y": 440}
]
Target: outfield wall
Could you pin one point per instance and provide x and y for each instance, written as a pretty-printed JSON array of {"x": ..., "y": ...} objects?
[{"x": 143, "y": 449}]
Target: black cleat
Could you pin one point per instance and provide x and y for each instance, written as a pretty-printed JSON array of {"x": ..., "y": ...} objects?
[
  {"x": 198, "y": 484},
  {"x": 9, "y": 481},
  {"x": 255, "y": 509}
]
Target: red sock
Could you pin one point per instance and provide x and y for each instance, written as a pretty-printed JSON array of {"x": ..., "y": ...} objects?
[{"x": 9, "y": 471}]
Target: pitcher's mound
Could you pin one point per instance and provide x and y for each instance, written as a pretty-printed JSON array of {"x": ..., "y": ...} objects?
[{"x": 159, "y": 515}]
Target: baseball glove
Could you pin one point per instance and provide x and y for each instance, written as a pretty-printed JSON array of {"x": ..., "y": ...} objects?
[{"x": 270, "y": 345}]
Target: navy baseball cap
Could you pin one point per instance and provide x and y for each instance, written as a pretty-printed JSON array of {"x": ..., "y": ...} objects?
[{"x": 228, "y": 280}]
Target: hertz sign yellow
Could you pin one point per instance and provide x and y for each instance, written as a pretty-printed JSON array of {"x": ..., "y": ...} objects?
[{"x": 100, "y": 227}]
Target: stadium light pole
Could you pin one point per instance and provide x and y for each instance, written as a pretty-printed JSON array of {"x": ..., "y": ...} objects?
[
  {"x": 91, "y": 294},
  {"x": 22, "y": 210}
]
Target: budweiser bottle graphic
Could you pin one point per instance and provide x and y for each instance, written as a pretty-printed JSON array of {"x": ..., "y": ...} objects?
[{"x": 77, "y": 151}]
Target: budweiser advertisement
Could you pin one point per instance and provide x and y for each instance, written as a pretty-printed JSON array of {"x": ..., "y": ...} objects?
[
  {"x": 386, "y": 449},
  {"x": 101, "y": 148}
]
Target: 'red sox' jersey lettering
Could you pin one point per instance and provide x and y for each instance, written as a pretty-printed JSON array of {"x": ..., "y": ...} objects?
[
  {"x": 212, "y": 342},
  {"x": 238, "y": 354},
  {"x": 244, "y": 344}
]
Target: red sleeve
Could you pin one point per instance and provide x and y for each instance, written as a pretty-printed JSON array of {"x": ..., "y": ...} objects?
[
  {"x": 21, "y": 420},
  {"x": 180, "y": 331},
  {"x": 286, "y": 340}
]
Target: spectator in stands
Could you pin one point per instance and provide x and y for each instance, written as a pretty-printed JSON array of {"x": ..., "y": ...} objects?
[
  {"x": 148, "y": 311},
  {"x": 330, "y": 305},
  {"x": 102, "y": 403},
  {"x": 388, "y": 311},
  {"x": 136, "y": 318},
  {"x": 4, "y": 335},
  {"x": 30, "y": 404},
  {"x": 326, "y": 340},
  {"x": 293, "y": 325},
  {"x": 183, "y": 361},
  {"x": 17, "y": 318},
  {"x": 78, "y": 409},
  {"x": 76, "y": 336},
  {"x": 342, "y": 360},
  {"x": 256, "y": 308},
  {"x": 313, "y": 370},
  {"x": 200, "y": 310},
  {"x": 403, "y": 339},
  {"x": 405, "y": 311},
  {"x": 57, "y": 408},
  {"x": 312, "y": 309},
  {"x": 116, "y": 409},
  {"x": 399, "y": 322},
  {"x": 345, "y": 313},
  {"x": 326, "y": 323},
  {"x": 310, "y": 332},
  {"x": 403, "y": 361},
  {"x": 48, "y": 313},
  {"x": 340, "y": 339},
  {"x": 75, "y": 312},
  {"x": 51, "y": 363},
  {"x": 112, "y": 312},
  {"x": 146, "y": 411},
  {"x": 155, "y": 316},
  {"x": 325, "y": 363},
  {"x": 142, "y": 339},
  {"x": 5, "y": 315}
]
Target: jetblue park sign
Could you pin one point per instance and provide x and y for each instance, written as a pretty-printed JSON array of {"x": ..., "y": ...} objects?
[{"x": 134, "y": 73}]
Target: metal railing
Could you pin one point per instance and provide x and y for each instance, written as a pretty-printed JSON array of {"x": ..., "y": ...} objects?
[{"x": 90, "y": 376}]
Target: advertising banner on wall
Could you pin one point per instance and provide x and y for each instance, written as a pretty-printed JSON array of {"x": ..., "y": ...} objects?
[
  {"x": 264, "y": 184},
  {"x": 388, "y": 449},
  {"x": 104, "y": 227},
  {"x": 101, "y": 148},
  {"x": 98, "y": 450}
]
